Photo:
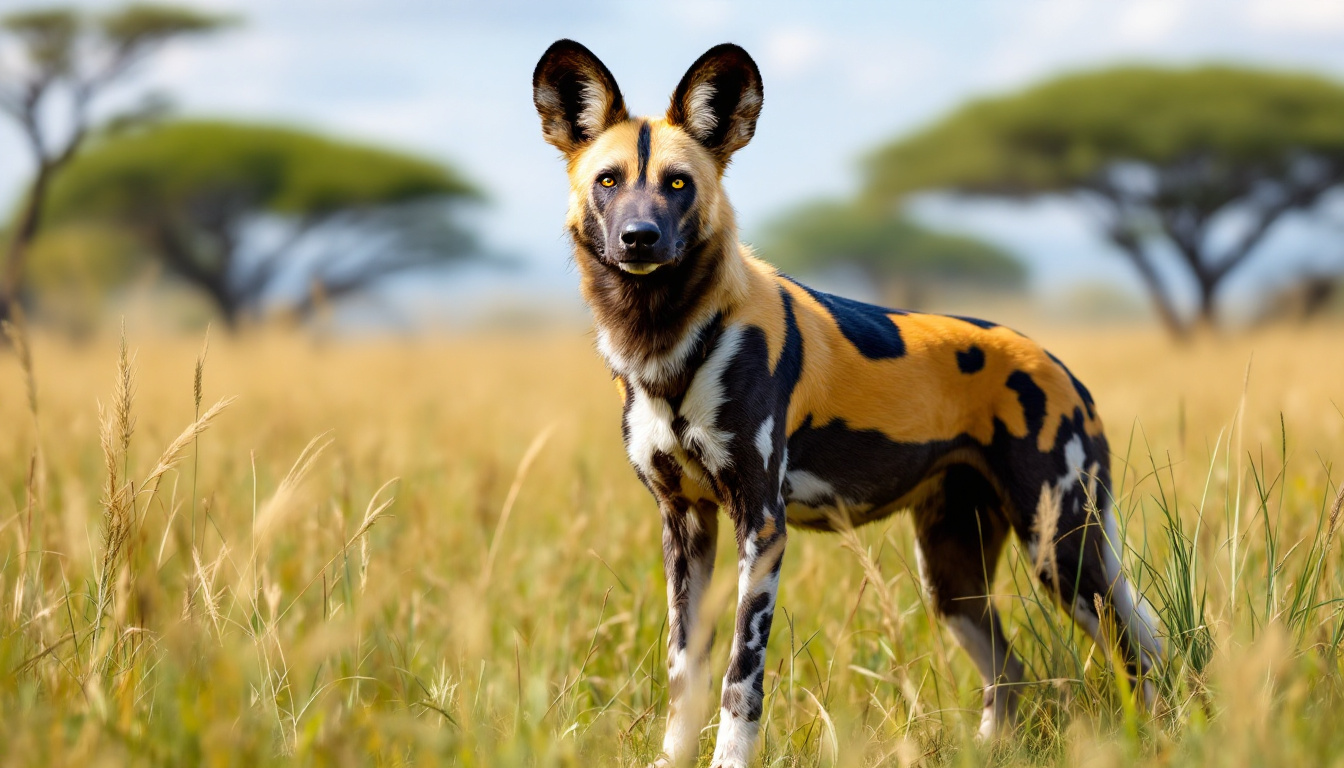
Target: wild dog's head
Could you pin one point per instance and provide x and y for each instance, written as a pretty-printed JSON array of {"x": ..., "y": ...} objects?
[{"x": 646, "y": 200}]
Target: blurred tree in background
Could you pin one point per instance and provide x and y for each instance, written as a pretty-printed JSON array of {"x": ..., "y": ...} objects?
[
  {"x": 258, "y": 216},
  {"x": 901, "y": 258},
  {"x": 1197, "y": 163},
  {"x": 66, "y": 61}
]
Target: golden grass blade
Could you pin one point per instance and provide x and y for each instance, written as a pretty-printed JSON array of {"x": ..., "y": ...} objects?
[
  {"x": 372, "y": 514},
  {"x": 173, "y": 453},
  {"x": 830, "y": 726},
  {"x": 529, "y": 456},
  {"x": 273, "y": 509}
]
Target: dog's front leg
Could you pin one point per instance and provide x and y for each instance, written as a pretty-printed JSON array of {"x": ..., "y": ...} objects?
[
  {"x": 760, "y": 547},
  {"x": 690, "y": 532}
]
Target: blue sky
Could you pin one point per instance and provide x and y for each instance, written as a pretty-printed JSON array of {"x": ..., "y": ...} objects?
[{"x": 452, "y": 80}]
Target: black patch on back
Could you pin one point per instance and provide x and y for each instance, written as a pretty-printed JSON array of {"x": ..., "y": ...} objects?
[
  {"x": 1078, "y": 387},
  {"x": 978, "y": 323},
  {"x": 645, "y": 139},
  {"x": 866, "y": 326},
  {"x": 972, "y": 360},
  {"x": 1032, "y": 398}
]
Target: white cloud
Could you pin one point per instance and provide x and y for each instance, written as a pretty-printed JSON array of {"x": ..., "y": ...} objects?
[
  {"x": 1303, "y": 17},
  {"x": 1146, "y": 22},
  {"x": 793, "y": 51}
]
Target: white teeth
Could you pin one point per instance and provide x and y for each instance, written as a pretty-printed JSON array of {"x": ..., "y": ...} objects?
[{"x": 639, "y": 267}]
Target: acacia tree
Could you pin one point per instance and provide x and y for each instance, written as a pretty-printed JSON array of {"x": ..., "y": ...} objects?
[
  {"x": 65, "y": 61},
  {"x": 259, "y": 216},
  {"x": 1198, "y": 163},
  {"x": 892, "y": 252}
]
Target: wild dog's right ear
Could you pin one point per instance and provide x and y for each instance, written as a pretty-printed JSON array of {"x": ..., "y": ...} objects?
[{"x": 575, "y": 95}]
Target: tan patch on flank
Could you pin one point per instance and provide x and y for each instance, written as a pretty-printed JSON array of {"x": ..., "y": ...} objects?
[{"x": 923, "y": 396}]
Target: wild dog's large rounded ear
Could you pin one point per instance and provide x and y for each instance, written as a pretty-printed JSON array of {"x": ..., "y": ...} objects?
[
  {"x": 718, "y": 100},
  {"x": 575, "y": 95}
]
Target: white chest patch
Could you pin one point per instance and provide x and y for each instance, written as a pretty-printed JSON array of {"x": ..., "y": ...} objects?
[
  {"x": 704, "y": 397},
  {"x": 650, "y": 423},
  {"x": 649, "y": 420}
]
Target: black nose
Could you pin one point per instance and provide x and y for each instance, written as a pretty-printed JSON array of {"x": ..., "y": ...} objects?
[{"x": 640, "y": 233}]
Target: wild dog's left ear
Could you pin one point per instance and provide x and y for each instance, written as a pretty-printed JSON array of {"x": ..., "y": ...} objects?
[
  {"x": 718, "y": 100},
  {"x": 576, "y": 96}
]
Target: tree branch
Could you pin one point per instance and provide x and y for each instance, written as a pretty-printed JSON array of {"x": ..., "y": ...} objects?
[
  {"x": 1115, "y": 215},
  {"x": 1301, "y": 198},
  {"x": 268, "y": 266},
  {"x": 180, "y": 256}
]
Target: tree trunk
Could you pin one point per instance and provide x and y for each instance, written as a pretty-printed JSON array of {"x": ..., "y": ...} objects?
[
  {"x": 176, "y": 252},
  {"x": 25, "y": 231},
  {"x": 1208, "y": 306},
  {"x": 1166, "y": 312}
]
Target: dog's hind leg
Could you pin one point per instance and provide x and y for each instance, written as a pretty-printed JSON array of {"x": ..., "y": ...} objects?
[
  {"x": 961, "y": 532},
  {"x": 1087, "y": 565},
  {"x": 690, "y": 532}
]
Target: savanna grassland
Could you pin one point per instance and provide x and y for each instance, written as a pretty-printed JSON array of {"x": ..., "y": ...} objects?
[{"x": 434, "y": 552}]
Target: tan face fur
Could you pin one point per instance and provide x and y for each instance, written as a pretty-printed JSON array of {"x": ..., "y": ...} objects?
[{"x": 697, "y": 212}]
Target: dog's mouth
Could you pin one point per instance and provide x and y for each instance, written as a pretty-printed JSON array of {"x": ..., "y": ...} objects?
[
  {"x": 646, "y": 261},
  {"x": 641, "y": 267}
]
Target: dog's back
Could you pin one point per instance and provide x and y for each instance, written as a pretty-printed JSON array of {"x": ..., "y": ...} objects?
[{"x": 881, "y": 397}]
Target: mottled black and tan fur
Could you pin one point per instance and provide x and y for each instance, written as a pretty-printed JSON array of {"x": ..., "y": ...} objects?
[{"x": 748, "y": 392}]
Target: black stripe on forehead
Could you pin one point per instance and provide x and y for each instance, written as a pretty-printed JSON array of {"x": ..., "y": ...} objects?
[{"x": 645, "y": 139}]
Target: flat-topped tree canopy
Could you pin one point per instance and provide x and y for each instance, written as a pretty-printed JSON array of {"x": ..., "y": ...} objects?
[
  {"x": 277, "y": 170},
  {"x": 194, "y": 191},
  {"x": 1158, "y": 154},
  {"x": 1066, "y": 132}
]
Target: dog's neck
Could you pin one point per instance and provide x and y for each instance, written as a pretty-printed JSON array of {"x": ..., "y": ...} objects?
[{"x": 654, "y": 331}]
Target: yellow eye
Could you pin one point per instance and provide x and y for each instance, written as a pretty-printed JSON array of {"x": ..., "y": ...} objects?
[
  {"x": 607, "y": 181},
  {"x": 678, "y": 183}
]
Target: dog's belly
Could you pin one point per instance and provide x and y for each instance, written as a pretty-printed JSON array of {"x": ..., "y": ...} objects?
[{"x": 861, "y": 475}]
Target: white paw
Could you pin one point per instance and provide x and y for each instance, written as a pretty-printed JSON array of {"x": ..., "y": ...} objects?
[{"x": 988, "y": 727}]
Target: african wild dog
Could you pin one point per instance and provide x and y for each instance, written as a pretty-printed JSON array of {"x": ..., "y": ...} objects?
[{"x": 746, "y": 390}]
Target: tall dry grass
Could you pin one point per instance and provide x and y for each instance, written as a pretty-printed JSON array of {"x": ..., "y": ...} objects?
[{"x": 433, "y": 551}]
